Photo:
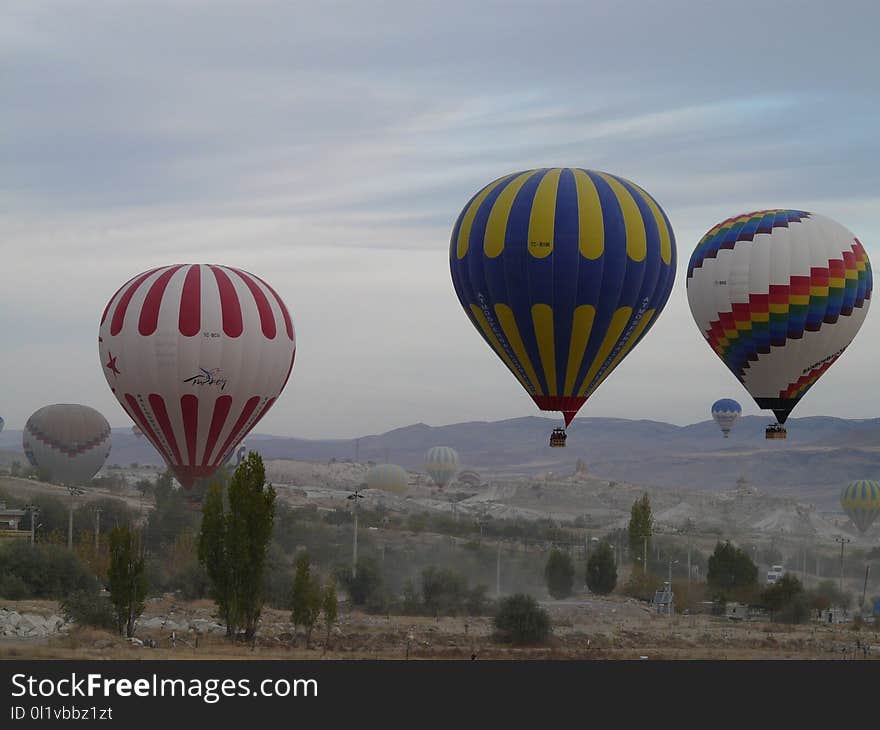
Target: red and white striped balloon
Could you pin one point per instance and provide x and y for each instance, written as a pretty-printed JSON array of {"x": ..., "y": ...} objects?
[{"x": 196, "y": 354}]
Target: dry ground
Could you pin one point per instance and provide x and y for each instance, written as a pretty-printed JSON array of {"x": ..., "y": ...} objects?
[{"x": 583, "y": 628}]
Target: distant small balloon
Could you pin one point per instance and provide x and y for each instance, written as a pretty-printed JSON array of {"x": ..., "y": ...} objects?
[
  {"x": 441, "y": 463},
  {"x": 861, "y": 502},
  {"x": 726, "y": 411},
  {"x": 69, "y": 442},
  {"x": 388, "y": 478}
]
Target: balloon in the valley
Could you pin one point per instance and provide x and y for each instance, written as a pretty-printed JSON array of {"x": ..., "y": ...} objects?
[
  {"x": 196, "y": 355},
  {"x": 67, "y": 442},
  {"x": 388, "y": 478},
  {"x": 861, "y": 502},
  {"x": 726, "y": 411},
  {"x": 779, "y": 295},
  {"x": 441, "y": 463},
  {"x": 562, "y": 271}
]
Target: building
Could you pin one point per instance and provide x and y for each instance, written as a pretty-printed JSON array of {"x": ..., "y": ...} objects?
[
  {"x": 10, "y": 520},
  {"x": 664, "y": 600}
]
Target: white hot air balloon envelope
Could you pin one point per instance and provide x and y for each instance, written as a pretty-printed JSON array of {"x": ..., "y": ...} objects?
[
  {"x": 779, "y": 295},
  {"x": 441, "y": 463},
  {"x": 196, "y": 355},
  {"x": 67, "y": 441}
]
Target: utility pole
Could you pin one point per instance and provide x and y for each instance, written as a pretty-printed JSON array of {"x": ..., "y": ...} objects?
[
  {"x": 843, "y": 541},
  {"x": 70, "y": 525},
  {"x": 354, "y": 553},
  {"x": 97, "y": 529},
  {"x": 498, "y": 573},
  {"x": 33, "y": 510},
  {"x": 865, "y": 587}
]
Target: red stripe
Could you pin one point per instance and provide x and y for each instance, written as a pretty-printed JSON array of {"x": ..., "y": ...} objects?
[
  {"x": 119, "y": 313},
  {"x": 229, "y": 304},
  {"x": 137, "y": 415},
  {"x": 157, "y": 403},
  {"x": 287, "y": 321},
  {"x": 267, "y": 319},
  {"x": 759, "y": 303},
  {"x": 189, "y": 407},
  {"x": 107, "y": 308},
  {"x": 234, "y": 437},
  {"x": 150, "y": 310},
  {"x": 269, "y": 404},
  {"x": 218, "y": 420},
  {"x": 800, "y": 285},
  {"x": 190, "y": 319}
]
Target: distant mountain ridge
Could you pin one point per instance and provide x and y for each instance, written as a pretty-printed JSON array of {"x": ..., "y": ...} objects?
[{"x": 820, "y": 454}]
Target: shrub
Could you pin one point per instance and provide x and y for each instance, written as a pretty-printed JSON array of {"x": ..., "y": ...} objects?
[
  {"x": 520, "y": 620},
  {"x": 602, "y": 570},
  {"x": 89, "y": 609},
  {"x": 13, "y": 588},
  {"x": 46, "y": 571},
  {"x": 559, "y": 574},
  {"x": 367, "y": 583}
]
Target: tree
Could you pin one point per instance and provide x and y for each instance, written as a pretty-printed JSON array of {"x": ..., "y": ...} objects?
[
  {"x": 827, "y": 594},
  {"x": 559, "y": 574},
  {"x": 731, "y": 573},
  {"x": 307, "y": 596},
  {"x": 520, "y": 620},
  {"x": 640, "y": 529},
  {"x": 367, "y": 584},
  {"x": 128, "y": 581},
  {"x": 786, "y": 600},
  {"x": 330, "y": 605},
  {"x": 212, "y": 554},
  {"x": 444, "y": 591},
  {"x": 234, "y": 542},
  {"x": 602, "y": 570}
]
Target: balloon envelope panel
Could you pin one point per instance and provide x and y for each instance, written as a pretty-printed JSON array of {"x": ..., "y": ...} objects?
[
  {"x": 861, "y": 502},
  {"x": 441, "y": 463},
  {"x": 70, "y": 442},
  {"x": 779, "y": 295},
  {"x": 196, "y": 355},
  {"x": 388, "y": 478},
  {"x": 562, "y": 271}
]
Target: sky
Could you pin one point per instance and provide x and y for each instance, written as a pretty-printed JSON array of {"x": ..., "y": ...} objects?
[{"x": 329, "y": 147}]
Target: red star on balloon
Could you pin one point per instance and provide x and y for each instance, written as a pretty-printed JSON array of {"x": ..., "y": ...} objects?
[{"x": 111, "y": 363}]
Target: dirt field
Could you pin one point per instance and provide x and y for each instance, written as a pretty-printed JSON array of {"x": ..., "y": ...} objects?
[{"x": 583, "y": 628}]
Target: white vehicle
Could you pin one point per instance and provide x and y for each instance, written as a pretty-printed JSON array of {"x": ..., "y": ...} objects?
[{"x": 774, "y": 574}]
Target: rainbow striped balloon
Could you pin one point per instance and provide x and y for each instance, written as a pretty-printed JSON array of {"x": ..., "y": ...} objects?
[
  {"x": 562, "y": 271},
  {"x": 861, "y": 502},
  {"x": 779, "y": 295}
]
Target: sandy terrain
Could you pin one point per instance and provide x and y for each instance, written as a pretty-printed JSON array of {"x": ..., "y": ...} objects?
[{"x": 585, "y": 627}]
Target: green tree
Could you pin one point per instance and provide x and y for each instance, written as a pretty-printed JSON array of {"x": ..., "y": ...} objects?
[
  {"x": 366, "y": 586},
  {"x": 307, "y": 596},
  {"x": 212, "y": 554},
  {"x": 234, "y": 542},
  {"x": 640, "y": 529},
  {"x": 330, "y": 605},
  {"x": 731, "y": 573},
  {"x": 520, "y": 620},
  {"x": 786, "y": 600},
  {"x": 559, "y": 574},
  {"x": 444, "y": 591},
  {"x": 127, "y": 578},
  {"x": 602, "y": 570}
]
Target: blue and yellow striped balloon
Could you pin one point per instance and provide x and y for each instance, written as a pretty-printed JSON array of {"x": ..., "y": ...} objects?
[
  {"x": 861, "y": 502},
  {"x": 388, "y": 478},
  {"x": 441, "y": 463},
  {"x": 562, "y": 271}
]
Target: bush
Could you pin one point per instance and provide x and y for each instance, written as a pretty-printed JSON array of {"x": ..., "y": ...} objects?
[
  {"x": 642, "y": 586},
  {"x": 367, "y": 584},
  {"x": 520, "y": 620},
  {"x": 559, "y": 574},
  {"x": 787, "y": 601},
  {"x": 46, "y": 571},
  {"x": 89, "y": 609},
  {"x": 13, "y": 588},
  {"x": 602, "y": 570},
  {"x": 443, "y": 591}
]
